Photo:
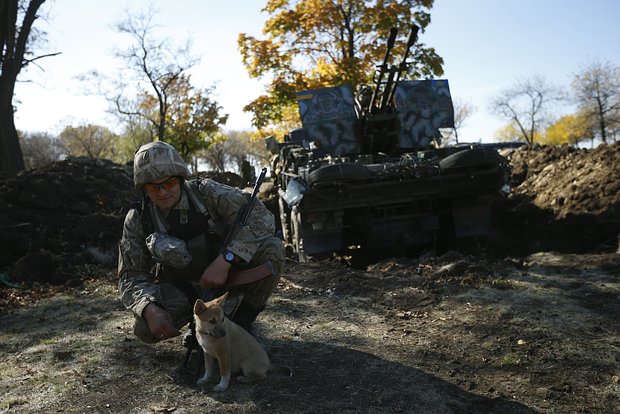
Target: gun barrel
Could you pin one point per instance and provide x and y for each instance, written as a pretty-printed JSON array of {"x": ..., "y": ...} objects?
[
  {"x": 385, "y": 98},
  {"x": 257, "y": 184},
  {"x": 244, "y": 213},
  {"x": 383, "y": 68},
  {"x": 390, "y": 43},
  {"x": 402, "y": 67},
  {"x": 259, "y": 181},
  {"x": 413, "y": 35}
]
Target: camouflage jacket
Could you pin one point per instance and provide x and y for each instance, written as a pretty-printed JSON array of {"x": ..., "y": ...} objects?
[{"x": 135, "y": 265}]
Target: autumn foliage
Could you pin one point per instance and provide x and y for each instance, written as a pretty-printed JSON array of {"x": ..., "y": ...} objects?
[{"x": 310, "y": 44}]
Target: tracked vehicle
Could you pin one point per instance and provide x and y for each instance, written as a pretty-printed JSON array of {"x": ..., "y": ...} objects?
[{"x": 366, "y": 171}]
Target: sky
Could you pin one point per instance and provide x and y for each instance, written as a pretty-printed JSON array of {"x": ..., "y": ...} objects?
[{"x": 487, "y": 46}]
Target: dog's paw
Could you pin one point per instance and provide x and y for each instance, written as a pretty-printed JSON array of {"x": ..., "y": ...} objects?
[
  {"x": 203, "y": 380},
  {"x": 222, "y": 386}
]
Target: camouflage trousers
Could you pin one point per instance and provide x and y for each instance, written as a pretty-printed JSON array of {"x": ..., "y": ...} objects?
[{"x": 176, "y": 302}]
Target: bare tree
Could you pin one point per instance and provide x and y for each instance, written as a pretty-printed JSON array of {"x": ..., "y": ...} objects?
[
  {"x": 462, "y": 111},
  {"x": 92, "y": 141},
  {"x": 17, "y": 18},
  {"x": 525, "y": 105},
  {"x": 156, "y": 67},
  {"x": 40, "y": 149},
  {"x": 597, "y": 92},
  {"x": 242, "y": 148},
  {"x": 234, "y": 151},
  {"x": 136, "y": 132},
  {"x": 215, "y": 156}
]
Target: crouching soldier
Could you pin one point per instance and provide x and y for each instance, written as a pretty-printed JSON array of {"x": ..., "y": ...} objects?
[{"x": 171, "y": 250}]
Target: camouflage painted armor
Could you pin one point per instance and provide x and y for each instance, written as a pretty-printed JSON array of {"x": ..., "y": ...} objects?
[
  {"x": 328, "y": 114},
  {"x": 423, "y": 107},
  {"x": 139, "y": 283}
]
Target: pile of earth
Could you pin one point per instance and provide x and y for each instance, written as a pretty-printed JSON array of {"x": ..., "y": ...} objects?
[
  {"x": 563, "y": 199},
  {"x": 58, "y": 220},
  {"x": 62, "y": 216}
]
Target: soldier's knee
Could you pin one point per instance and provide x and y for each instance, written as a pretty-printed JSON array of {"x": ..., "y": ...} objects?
[
  {"x": 257, "y": 294},
  {"x": 273, "y": 250}
]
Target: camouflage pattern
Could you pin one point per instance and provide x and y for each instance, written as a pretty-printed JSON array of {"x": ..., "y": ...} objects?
[
  {"x": 173, "y": 301},
  {"x": 423, "y": 107},
  {"x": 168, "y": 250},
  {"x": 255, "y": 243},
  {"x": 155, "y": 160},
  {"x": 328, "y": 115}
]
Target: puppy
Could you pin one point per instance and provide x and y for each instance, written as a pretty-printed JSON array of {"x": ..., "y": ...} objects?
[{"x": 235, "y": 349}]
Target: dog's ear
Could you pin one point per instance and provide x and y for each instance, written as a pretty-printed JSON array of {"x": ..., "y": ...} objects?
[
  {"x": 221, "y": 299},
  {"x": 199, "y": 307}
]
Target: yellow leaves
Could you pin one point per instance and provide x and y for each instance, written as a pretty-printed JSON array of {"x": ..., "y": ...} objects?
[
  {"x": 512, "y": 132},
  {"x": 283, "y": 23},
  {"x": 508, "y": 133},
  {"x": 273, "y": 5},
  {"x": 324, "y": 70},
  {"x": 316, "y": 43},
  {"x": 190, "y": 116},
  {"x": 260, "y": 56},
  {"x": 289, "y": 119},
  {"x": 569, "y": 129}
]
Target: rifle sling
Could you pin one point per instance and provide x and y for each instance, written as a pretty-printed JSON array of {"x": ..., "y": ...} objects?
[{"x": 247, "y": 276}]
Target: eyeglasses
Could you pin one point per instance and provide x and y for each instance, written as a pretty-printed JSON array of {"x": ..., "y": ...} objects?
[{"x": 165, "y": 185}]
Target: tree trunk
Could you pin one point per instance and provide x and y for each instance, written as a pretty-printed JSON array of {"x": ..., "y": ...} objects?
[
  {"x": 11, "y": 158},
  {"x": 13, "y": 41},
  {"x": 603, "y": 127}
]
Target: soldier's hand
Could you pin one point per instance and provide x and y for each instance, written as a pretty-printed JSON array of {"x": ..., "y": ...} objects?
[
  {"x": 215, "y": 274},
  {"x": 159, "y": 322}
]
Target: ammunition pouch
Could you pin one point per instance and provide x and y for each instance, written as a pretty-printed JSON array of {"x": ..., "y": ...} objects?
[
  {"x": 168, "y": 250},
  {"x": 185, "y": 260}
]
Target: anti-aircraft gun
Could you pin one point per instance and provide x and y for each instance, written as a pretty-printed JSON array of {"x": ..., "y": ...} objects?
[{"x": 368, "y": 171}]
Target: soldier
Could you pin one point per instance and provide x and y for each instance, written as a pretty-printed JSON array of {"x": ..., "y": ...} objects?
[{"x": 161, "y": 295}]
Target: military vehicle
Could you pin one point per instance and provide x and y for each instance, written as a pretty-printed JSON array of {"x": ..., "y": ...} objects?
[{"x": 366, "y": 171}]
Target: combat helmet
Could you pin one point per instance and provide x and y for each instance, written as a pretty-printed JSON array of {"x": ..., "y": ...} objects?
[{"x": 155, "y": 160}]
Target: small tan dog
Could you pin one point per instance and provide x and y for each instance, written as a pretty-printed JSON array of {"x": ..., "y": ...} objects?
[{"x": 235, "y": 349}]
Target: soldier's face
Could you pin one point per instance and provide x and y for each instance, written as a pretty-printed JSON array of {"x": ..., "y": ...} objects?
[{"x": 164, "y": 193}]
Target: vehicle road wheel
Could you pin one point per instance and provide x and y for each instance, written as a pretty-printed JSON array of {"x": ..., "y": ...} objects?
[
  {"x": 477, "y": 157},
  {"x": 338, "y": 172},
  {"x": 296, "y": 236},
  {"x": 285, "y": 213}
]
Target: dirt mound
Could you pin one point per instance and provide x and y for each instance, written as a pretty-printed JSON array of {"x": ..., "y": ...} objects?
[
  {"x": 64, "y": 216},
  {"x": 68, "y": 213},
  {"x": 567, "y": 180},
  {"x": 228, "y": 178},
  {"x": 563, "y": 199}
]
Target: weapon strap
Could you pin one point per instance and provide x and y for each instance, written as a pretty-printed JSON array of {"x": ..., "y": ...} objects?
[
  {"x": 196, "y": 199},
  {"x": 247, "y": 276}
]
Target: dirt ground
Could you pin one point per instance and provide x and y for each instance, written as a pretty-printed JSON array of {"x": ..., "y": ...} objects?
[{"x": 524, "y": 322}]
